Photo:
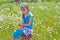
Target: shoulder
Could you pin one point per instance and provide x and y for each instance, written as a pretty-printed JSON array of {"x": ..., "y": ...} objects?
[{"x": 30, "y": 14}]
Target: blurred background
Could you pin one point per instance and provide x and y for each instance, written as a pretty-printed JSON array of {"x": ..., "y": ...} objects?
[{"x": 46, "y": 18}]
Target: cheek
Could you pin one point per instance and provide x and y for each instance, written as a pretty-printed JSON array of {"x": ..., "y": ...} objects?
[{"x": 23, "y": 12}]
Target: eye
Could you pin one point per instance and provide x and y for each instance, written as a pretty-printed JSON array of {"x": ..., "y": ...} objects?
[{"x": 22, "y": 9}]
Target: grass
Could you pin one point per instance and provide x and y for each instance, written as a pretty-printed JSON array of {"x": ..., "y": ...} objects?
[{"x": 46, "y": 20}]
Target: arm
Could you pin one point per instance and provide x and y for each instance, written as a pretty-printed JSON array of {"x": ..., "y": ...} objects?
[
  {"x": 30, "y": 21},
  {"x": 21, "y": 25}
]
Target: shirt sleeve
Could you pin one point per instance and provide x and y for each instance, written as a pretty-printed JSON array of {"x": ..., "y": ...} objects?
[{"x": 30, "y": 15}]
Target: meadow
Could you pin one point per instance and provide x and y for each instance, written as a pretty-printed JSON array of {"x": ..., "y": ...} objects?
[{"x": 46, "y": 20}]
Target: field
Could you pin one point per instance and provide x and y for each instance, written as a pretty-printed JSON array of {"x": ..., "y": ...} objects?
[{"x": 46, "y": 20}]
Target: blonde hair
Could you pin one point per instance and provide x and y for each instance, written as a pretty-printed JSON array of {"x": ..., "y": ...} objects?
[{"x": 25, "y": 5}]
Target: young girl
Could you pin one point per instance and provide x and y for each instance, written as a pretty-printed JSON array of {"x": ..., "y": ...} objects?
[{"x": 25, "y": 29}]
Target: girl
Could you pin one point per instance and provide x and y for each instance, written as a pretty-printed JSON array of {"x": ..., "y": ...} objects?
[{"x": 25, "y": 29}]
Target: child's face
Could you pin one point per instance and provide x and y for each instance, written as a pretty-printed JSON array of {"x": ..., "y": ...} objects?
[{"x": 24, "y": 10}]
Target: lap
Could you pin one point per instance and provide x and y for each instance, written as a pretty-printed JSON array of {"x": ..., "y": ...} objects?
[{"x": 18, "y": 33}]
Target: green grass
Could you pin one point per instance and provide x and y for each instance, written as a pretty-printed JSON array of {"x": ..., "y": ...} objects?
[{"x": 46, "y": 20}]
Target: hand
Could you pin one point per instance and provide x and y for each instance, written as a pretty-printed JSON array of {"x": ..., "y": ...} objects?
[
  {"x": 20, "y": 24},
  {"x": 20, "y": 27}
]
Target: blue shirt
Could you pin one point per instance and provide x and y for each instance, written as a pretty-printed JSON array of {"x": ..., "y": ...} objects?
[{"x": 26, "y": 20}]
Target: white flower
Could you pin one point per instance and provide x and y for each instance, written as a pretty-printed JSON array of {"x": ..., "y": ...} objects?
[
  {"x": 56, "y": 32},
  {"x": 1, "y": 18},
  {"x": 41, "y": 21},
  {"x": 14, "y": 25},
  {"x": 58, "y": 16},
  {"x": 38, "y": 35},
  {"x": 55, "y": 39},
  {"x": 50, "y": 35},
  {"x": 7, "y": 27},
  {"x": 56, "y": 7},
  {"x": 0, "y": 26},
  {"x": 49, "y": 29},
  {"x": 13, "y": 22},
  {"x": 33, "y": 7},
  {"x": 6, "y": 9},
  {"x": 59, "y": 22},
  {"x": 55, "y": 16},
  {"x": 42, "y": 7},
  {"x": 16, "y": 18},
  {"x": 58, "y": 3},
  {"x": 1, "y": 10},
  {"x": 43, "y": 26}
]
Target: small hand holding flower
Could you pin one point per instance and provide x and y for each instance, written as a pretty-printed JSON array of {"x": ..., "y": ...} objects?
[{"x": 21, "y": 25}]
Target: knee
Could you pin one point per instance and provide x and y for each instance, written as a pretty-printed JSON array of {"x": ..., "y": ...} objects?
[{"x": 26, "y": 37}]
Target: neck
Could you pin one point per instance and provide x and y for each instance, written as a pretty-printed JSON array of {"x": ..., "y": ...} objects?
[{"x": 26, "y": 15}]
